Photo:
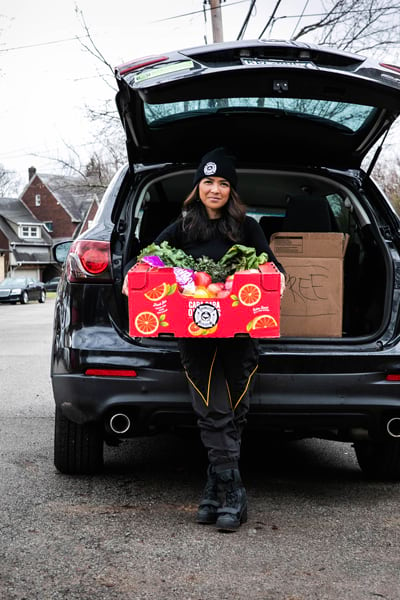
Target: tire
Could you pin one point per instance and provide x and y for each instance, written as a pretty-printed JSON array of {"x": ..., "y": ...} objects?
[
  {"x": 24, "y": 298},
  {"x": 78, "y": 449},
  {"x": 379, "y": 460},
  {"x": 42, "y": 297}
]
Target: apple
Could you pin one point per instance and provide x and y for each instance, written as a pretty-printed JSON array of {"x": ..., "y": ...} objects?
[
  {"x": 202, "y": 279},
  {"x": 214, "y": 288}
]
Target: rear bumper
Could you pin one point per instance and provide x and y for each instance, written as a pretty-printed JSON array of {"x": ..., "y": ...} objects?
[{"x": 341, "y": 406}]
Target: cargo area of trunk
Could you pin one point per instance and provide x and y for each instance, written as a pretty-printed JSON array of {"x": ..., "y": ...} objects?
[{"x": 288, "y": 201}]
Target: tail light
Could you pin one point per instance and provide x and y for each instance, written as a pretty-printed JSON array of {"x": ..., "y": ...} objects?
[
  {"x": 89, "y": 260},
  {"x": 391, "y": 67},
  {"x": 139, "y": 63},
  {"x": 111, "y": 372}
]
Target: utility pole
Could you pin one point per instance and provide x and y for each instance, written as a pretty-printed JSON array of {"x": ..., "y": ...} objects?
[{"x": 216, "y": 20}]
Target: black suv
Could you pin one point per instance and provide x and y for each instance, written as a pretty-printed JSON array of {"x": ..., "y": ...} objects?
[{"x": 299, "y": 120}]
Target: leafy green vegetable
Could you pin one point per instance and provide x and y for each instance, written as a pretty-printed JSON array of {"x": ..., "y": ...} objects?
[
  {"x": 241, "y": 257},
  {"x": 217, "y": 271},
  {"x": 172, "y": 257},
  {"x": 237, "y": 258}
]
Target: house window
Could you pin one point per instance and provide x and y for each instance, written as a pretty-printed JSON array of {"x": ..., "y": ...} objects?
[
  {"x": 29, "y": 231},
  {"x": 49, "y": 226},
  {"x": 37, "y": 200}
]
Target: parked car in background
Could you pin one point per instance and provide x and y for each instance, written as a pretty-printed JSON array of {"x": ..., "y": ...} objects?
[
  {"x": 51, "y": 285},
  {"x": 299, "y": 119},
  {"x": 22, "y": 289}
]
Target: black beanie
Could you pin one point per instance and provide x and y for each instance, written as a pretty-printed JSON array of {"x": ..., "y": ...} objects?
[{"x": 216, "y": 163}]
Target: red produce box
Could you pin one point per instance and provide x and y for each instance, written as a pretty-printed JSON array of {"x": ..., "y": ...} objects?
[{"x": 158, "y": 308}]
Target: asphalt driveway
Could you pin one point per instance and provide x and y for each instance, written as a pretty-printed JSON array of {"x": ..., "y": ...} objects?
[{"x": 316, "y": 529}]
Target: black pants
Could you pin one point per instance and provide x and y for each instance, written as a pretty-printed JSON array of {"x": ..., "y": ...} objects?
[{"x": 220, "y": 373}]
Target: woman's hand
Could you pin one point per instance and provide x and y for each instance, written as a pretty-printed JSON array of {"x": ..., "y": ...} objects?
[{"x": 283, "y": 283}]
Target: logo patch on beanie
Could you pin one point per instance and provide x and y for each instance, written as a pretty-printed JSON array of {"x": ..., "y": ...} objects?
[{"x": 210, "y": 168}]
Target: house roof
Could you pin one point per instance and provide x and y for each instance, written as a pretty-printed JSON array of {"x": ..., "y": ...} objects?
[
  {"x": 74, "y": 195},
  {"x": 16, "y": 211},
  {"x": 33, "y": 255},
  {"x": 13, "y": 210},
  {"x": 85, "y": 221},
  {"x": 7, "y": 230}
]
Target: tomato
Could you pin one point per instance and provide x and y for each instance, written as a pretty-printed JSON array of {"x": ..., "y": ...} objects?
[{"x": 202, "y": 279}]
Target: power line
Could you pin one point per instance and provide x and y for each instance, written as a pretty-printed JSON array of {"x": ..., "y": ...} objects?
[
  {"x": 270, "y": 19},
  {"x": 196, "y": 12},
  {"x": 22, "y": 152},
  {"x": 74, "y": 39},
  {"x": 246, "y": 21},
  {"x": 300, "y": 18},
  {"x": 334, "y": 12}
]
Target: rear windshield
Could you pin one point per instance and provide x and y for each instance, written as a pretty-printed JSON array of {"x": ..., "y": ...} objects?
[{"x": 339, "y": 114}]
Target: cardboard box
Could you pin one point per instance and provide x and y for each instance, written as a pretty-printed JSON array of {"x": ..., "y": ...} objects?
[
  {"x": 157, "y": 308},
  {"x": 312, "y": 305}
]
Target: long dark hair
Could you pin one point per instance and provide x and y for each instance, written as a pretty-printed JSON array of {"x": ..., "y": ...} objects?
[{"x": 198, "y": 227}]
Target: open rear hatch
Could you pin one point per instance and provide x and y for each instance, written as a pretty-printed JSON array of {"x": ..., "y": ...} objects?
[
  {"x": 282, "y": 109},
  {"x": 268, "y": 102}
]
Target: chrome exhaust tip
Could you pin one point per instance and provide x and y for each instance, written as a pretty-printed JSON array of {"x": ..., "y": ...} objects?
[
  {"x": 393, "y": 427},
  {"x": 120, "y": 423}
]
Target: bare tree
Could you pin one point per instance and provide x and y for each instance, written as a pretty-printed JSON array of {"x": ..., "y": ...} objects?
[
  {"x": 10, "y": 182},
  {"x": 110, "y": 136},
  {"x": 109, "y": 140},
  {"x": 387, "y": 174},
  {"x": 355, "y": 25}
]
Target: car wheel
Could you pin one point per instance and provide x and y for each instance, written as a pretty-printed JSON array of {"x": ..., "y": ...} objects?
[
  {"x": 42, "y": 297},
  {"x": 78, "y": 449},
  {"x": 379, "y": 460},
  {"x": 24, "y": 298}
]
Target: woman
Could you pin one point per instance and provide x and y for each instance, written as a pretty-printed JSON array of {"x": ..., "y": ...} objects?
[{"x": 219, "y": 371}]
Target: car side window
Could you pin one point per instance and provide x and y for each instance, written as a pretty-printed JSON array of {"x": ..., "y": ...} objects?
[{"x": 341, "y": 212}]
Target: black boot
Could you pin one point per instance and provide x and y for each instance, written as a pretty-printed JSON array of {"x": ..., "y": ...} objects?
[
  {"x": 207, "y": 511},
  {"x": 233, "y": 511}
]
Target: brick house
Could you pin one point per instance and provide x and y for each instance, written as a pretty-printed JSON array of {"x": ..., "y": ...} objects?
[
  {"x": 25, "y": 244},
  {"x": 50, "y": 208},
  {"x": 65, "y": 205}
]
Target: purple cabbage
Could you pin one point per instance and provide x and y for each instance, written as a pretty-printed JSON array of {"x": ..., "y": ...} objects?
[
  {"x": 184, "y": 277},
  {"x": 153, "y": 261}
]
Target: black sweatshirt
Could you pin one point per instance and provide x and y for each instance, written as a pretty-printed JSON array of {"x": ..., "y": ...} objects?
[{"x": 215, "y": 248}]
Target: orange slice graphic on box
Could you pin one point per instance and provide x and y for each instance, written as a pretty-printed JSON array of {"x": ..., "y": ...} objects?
[
  {"x": 146, "y": 323},
  {"x": 210, "y": 330},
  {"x": 264, "y": 321},
  {"x": 195, "y": 329},
  {"x": 157, "y": 293},
  {"x": 249, "y": 294}
]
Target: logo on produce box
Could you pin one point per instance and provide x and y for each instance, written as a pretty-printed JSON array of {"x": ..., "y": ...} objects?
[{"x": 205, "y": 316}]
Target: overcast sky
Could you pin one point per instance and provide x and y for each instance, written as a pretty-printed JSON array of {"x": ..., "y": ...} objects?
[{"x": 47, "y": 78}]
